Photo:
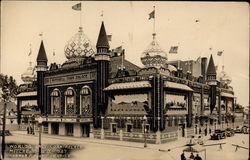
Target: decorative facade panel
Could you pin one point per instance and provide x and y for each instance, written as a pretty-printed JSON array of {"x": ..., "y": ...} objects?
[
  {"x": 175, "y": 101},
  {"x": 86, "y": 101},
  {"x": 128, "y": 104},
  {"x": 196, "y": 103}
]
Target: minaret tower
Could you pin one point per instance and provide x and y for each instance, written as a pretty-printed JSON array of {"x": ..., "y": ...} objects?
[
  {"x": 102, "y": 57},
  {"x": 212, "y": 82},
  {"x": 41, "y": 68}
]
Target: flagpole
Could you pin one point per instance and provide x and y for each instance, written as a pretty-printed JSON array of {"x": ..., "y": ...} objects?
[
  {"x": 223, "y": 58},
  {"x": 122, "y": 58},
  {"x": 30, "y": 54},
  {"x": 154, "y": 19},
  {"x": 81, "y": 16}
]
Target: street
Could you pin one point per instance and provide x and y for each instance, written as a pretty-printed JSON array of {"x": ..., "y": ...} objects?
[{"x": 92, "y": 149}]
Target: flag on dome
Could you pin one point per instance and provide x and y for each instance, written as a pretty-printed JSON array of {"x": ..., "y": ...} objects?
[
  {"x": 219, "y": 53},
  {"x": 173, "y": 49},
  {"x": 152, "y": 14},
  {"x": 77, "y": 7}
]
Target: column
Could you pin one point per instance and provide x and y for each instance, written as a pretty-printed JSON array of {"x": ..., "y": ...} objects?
[
  {"x": 49, "y": 128},
  {"x": 77, "y": 130},
  {"x": 91, "y": 134},
  {"x": 102, "y": 129},
  {"x": 62, "y": 130},
  {"x": 158, "y": 133},
  {"x": 121, "y": 135}
]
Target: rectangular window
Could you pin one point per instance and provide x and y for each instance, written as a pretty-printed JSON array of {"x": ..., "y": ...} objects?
[
  {"x": 129, "y": 127},
  {"x": 170, "y": 121}
]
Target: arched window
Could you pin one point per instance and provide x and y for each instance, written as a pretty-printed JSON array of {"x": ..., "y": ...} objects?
[
  {"x": 70, "y": 101},
  {"x": 55, "y": 102},
  {"x": 86, "y": 101}
]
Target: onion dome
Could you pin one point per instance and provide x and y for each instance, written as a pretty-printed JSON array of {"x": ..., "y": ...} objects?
[
  {"x": 224, "y": 77},
  {"x": 153, "y": 55},
  {"x": 29, "y": 75},
  {"x": 79, "y": 46}
]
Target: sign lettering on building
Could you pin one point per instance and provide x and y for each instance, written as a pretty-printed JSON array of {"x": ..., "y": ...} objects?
[{"x": 64, "y": 78}]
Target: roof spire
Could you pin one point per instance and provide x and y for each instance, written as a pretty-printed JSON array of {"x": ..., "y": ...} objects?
[
  {"x": 42, "y": 57},
  {"x": 102, "y": 38},
  {"x": 211, "y": 67}
]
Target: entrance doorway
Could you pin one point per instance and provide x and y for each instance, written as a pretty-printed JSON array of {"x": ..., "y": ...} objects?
[
  {"x": 85, "y": 129},
  {"x": 54, "y": 128},
  {"x": 69, "y": 129}
]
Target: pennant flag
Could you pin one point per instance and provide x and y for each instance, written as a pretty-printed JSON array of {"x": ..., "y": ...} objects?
[
  {"x": 198, "y": 59},
  {"x": 109, "y": 37},
  {"x": 102, "y": 14},
  {"x": 173, "y": 49},
  {"x": 77, "y": 7},
  {"x": 219, "y": 53},
  {"x": 41, "y": 34},
  {"x": 30, "y": 51},
  {"x": 152, "y": 14},
  {"x": 119, "y": 49}
]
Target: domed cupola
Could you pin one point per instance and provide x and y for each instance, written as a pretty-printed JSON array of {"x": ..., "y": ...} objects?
[
  {"x": 29, "y": 75},
  {"x": 154, "y": 55},
  {"x": 224, "y": 77},
  {"x": 79, "y": 47}
]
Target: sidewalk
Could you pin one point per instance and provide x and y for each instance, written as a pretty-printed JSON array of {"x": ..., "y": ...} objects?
[{"x": 162, "y": 147}]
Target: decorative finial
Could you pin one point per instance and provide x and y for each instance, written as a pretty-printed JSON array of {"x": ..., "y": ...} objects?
[
  {"x": 154, "y": 35},
  {"x": 41, "y": 35},
  {"x": 54, "y": 53},
  {"x": 80, "y": 29},
  {"x": 102, "y": 14}
]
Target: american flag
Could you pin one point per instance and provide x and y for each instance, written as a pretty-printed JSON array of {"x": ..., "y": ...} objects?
[
  {"x": 173, "y": 49},
  {"x": 77, "y": 7},
  {"x": 219, "y": 53}
]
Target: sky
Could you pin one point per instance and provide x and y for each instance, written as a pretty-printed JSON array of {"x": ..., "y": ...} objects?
[{"x": 221, "y": 26}]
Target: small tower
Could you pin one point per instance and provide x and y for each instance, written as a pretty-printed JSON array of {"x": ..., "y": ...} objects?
[
  {"x": 102, "y": 57},
  {"x": 41, "y": 68},
  {"x": 212, "y": 82},
  {"x": 211, "y": 72}
]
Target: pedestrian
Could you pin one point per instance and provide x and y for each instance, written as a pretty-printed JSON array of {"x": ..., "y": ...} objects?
[
  {"x": 191, "y": 156},
  {"x": 183, "y": 156},
  {"x": 205, "y": 131},
  {"x": 31, "y": 130},
  {"x": 210, "y": 131},
  {"x": 197, "y": 157},
  {"x": 200, "y": 131},
  {"x": 28, "y": 130}
]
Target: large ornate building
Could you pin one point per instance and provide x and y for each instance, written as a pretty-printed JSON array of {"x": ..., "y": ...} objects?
[{"x": 98, "y": 93}]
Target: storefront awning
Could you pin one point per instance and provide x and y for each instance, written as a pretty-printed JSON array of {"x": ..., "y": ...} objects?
[
  {"x": 128, "y": 85},
  {"x": 26, "y": 94},
  {"x": 177, "y": 86},
  {"x": 227, "y": 95}
]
